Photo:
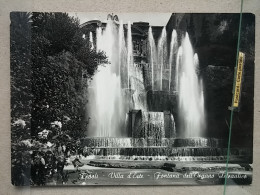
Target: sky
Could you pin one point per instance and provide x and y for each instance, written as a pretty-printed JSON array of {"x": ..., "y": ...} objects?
[{"x": 154, "y": 19}]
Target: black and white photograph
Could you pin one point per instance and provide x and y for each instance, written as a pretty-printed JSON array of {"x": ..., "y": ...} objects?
[{"x": 131, "y": 98}]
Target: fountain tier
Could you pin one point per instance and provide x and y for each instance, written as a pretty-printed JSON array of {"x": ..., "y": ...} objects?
[
  {"x": 177, "y": 149},
  {"x": 113, "y": 142}
]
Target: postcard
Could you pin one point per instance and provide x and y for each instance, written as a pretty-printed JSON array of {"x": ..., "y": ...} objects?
[{"x": 131, "y": 98}]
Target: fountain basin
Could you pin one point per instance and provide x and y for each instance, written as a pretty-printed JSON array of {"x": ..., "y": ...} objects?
[
  {"x": 115, "y": 142},
  {"x": 173, "y": 149},
  {"x": 237, "y": 155}
]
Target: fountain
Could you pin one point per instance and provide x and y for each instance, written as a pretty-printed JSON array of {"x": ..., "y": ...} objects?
[
  {"x": 129, "y": 52},
  {"x": 158, "y": 55},
  {"x": 122, "y": 57},
  {"x": 191, "y": 97},
  {"x": 178, "y": 60},
  {"x": 91, "y": 40},
  {"x": 173, "y": 49},
  {"x": 152, "y": 54},
  {"x": 158, "y": 58},
  {"x": 162, "y": 54},
  {"x": 122, "y": 125},
  {"x": 106, "y": 102}
]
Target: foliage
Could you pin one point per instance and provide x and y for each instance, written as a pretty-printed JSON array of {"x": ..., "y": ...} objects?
[
  {"x": 21, "y": 96},
  {"x": 48, "y": 59},
  {"x": 60, "y": 56}
]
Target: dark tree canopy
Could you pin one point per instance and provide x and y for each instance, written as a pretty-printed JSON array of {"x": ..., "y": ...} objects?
[{"x": 59, "y": 57}]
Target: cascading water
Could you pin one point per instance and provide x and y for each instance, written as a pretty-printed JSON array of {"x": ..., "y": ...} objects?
[
  {"x": 173, "y": 49},
  {"x": 106, "y": 103},
  {"x": 108, "y": 106},
  {"x": 137, "y": 86},
  {"x": 178, "y": 61},
  {"x": 153, "y": 124},
  {"x": 107, "y": 110},
  {"x": 173, "y": 126},
  {"x": 129, "y": 52},
  {"x": 158, "y": 58},
  {"x": 91, "y": 40},
  {"x": 162, "y": 55},
  {"x": 123, "y": 57},
  {"x": 152, "y": 51},
  {"x": 191, "y": 98}
]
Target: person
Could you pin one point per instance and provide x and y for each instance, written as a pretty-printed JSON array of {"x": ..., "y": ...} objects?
[
  {"x": 63, "y": 148},
  {"x": 33, "y": 169},
  {"x": 59, "y": 149},
  {"x": 50, "y": 160},
  {"x": 79, "y": 149},
  {"x": 67, "y": 152},
  {"x": 76, "y": 163},
  {"x": 60, "y": 168},
  {"x": 39, "y": 169}
]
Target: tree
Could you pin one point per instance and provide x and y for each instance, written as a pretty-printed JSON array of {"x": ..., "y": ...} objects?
[
  {"x": 60, "y": 56},
  {"x": 20, "y": 46},
  {"x": 21, "y": 96}
]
